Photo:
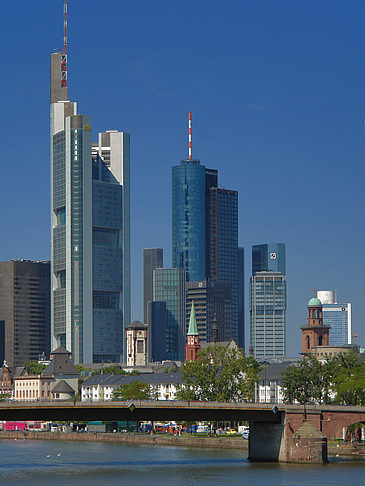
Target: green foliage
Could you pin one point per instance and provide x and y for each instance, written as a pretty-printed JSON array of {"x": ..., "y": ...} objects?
[
  {"x": 132, "y": 391},
  {"x": 109, "y": 370},
  {"x": 350, "y": 386},
  {"x": 310, "y": 381},
  {"x": 221, "y": 374},
  {"x": 5, "y": 396},
  {"x": 34, "y": 368},
  {"x": 114, "y": 370},
  {"x": 307, "y": 381}
]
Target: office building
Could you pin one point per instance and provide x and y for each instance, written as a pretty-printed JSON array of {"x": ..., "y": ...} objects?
[
  {"x": 205, "y": 233},
  {"x": 222, "y": 241},
  {"x": 337, "y": 316},
  {"x": 24, "y": 311},
  {"x": 188, "y": 219},
  {"x": 169, "y": 286},
  {"x": 241, "y": 296},
  {"x": 213, "y": 306},
  {"x": 152, "y": 258},
  {"x": 90, "y": 234},
  {"x": 157, "y": 325},
  {"x": 268, "y": 301}
]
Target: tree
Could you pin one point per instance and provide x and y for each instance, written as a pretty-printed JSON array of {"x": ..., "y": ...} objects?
[
  {"x": 109, "y": 370},
  {"x": 308, "y": 381},
  {"x": 221, "y": 374},
  {"x": 132, "y": 391},
  {"x": 350, "y": 386},
  {"x": 340, "y": 379},
  {"x": 34, "y": 368}
]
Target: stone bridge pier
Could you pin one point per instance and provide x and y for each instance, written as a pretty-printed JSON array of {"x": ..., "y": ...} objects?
[
  {"x": 286, "y": 442},
  {"x": 301, "y": 433}
]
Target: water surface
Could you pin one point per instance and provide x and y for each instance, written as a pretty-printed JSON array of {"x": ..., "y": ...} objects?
[{"x": 55, "y": 463}]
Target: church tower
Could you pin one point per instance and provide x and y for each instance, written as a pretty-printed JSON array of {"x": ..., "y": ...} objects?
[
  {"x": 314, "y": 333},
  {"x": 192, "y": 344}
]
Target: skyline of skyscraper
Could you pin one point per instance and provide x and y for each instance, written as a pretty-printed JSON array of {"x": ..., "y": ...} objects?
[
  {"x": 268, "y": 301},
  {"x": 90, "y": 235}
]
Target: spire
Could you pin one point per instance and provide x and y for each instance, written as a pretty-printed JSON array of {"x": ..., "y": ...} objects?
[
  {"x": 64, "y": 50},
  {"x": 189, "y": 134},
  {"x": 193, "y": 329}
]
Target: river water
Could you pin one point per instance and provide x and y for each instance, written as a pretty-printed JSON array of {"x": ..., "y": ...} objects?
[{"x": 52, "y": 463}]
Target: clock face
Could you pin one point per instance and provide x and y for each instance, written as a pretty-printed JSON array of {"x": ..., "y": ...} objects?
[{"x": 272, "y": 256}]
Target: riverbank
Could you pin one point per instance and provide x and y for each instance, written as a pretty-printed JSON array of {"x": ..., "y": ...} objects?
[
  {"x": 159, "y": 439},
  {"x": 217, "y": 442}
]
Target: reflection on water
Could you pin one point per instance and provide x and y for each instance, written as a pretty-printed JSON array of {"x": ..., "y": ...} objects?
[{"x": 34, "y": 463}]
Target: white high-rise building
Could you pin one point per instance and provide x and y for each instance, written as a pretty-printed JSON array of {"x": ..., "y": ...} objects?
[{"x": 90, "y": 230}]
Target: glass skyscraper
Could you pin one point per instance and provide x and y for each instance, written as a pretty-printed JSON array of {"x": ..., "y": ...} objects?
[
  {"x": 90, "y": 235},
  {"x": 188, "y": 218},
  {"x": 205, "y": 235},
  {"x": 169, "y": 286},
  {"x": 337, "y": 316},
  {"x": 268, "y": 301}
]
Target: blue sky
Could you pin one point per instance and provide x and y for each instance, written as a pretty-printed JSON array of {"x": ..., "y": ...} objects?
[{"x": 277, "y": 94}]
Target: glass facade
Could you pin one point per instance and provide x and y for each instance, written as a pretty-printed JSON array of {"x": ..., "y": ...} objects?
[
  {"x": 157, "y": 325},
  {"x": 213, "y": 306},
  {"x": 90, "y": 263},
  {"x": 268, "y": 301},
  {"x": 188, "y": 218},
  {"x": 268, "y": 315},
  {"x": 223, "y": 249},
  {"x": 269, "y": 257},
  {"x": 169, "y": 287},
  {"x": 338, "y": 317}
]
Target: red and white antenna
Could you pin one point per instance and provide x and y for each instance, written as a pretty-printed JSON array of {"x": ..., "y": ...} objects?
[
  {"x": 189, "y": 134},
  {"x": 64, "y": 50}
]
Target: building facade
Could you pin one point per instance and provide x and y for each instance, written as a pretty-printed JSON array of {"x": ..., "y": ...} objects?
[
  {"x": 268, "y": 301},
  {"x": 136, "y": 337},
  {"x": 188, "y": 219},
  {"x": 169, "y": 286},
  {"x": 315, "y": 333},
  {"x": 24, "y": 310},
  {"x": 90, "y": 234},
  {"x": 152, "y": 258},
  {"x": 213, "y": 306},
  {"x": 163, "y": 386},
  {"x": 337, "y": 316},
  {"x": 157, "y": 327},
  {"x": 205, "y": 234}
]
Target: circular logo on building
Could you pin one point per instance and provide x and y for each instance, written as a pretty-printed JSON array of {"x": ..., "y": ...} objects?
[{"x": 272, "y": 256}]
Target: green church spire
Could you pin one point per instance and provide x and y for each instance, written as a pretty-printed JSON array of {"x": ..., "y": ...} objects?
[{"x": 193, "y": 328}]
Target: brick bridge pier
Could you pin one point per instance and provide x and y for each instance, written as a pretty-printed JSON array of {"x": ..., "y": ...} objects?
[{"x": 302, "y": 434}]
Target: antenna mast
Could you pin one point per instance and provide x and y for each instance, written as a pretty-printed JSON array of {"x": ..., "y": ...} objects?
[
  {"x": 190, "y": 135},
  {"x": 64, "y": 50}
]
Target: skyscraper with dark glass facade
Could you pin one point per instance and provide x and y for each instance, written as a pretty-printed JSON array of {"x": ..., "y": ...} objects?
[
  {"x": 90, "y": 235},
  {"x": 205, "y": 234},
  {"x": 169, "y": 286},
  {"x": 268, "y": 301},
  {"x": 188, "y": 218}
]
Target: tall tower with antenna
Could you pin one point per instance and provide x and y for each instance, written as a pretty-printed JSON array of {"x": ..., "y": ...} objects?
[
  {"x": 64, "y": 50},
  {"x": 90, "y": 255},
  {"x": 205, "y": 242}
]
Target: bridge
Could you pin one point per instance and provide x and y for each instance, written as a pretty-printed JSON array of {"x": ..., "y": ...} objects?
[{"x": 285, "y": 433}]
